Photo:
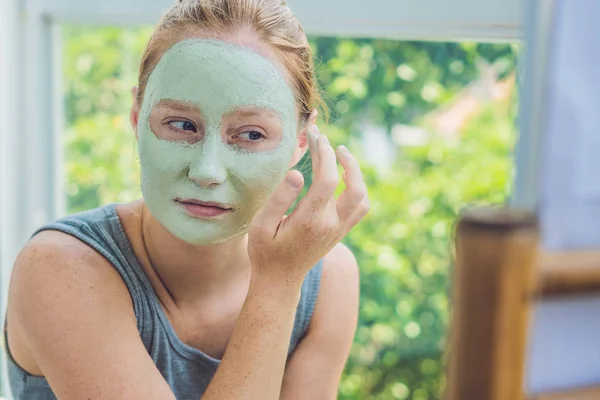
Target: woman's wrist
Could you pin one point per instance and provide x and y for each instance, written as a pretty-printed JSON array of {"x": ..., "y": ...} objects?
[{"x": 280, "y": 289}]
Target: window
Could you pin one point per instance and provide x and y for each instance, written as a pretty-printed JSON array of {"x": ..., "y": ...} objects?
[
  {"x": 100, "y": 68},
  {"x": 414, "y": 111},
  {"x": 433, "y": 126}
]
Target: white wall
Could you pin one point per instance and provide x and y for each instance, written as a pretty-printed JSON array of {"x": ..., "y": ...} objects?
[
  {"x": 564, "y": 352},
  {"x": 570, "y": 188}
]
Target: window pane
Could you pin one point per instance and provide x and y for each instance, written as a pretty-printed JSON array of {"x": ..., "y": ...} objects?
[
  {"x": 100, "y": 68},
  {"x": 433, "y": 127}
]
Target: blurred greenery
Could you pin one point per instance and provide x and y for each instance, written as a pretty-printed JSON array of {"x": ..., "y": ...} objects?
[{"x": 403, "y": 246}]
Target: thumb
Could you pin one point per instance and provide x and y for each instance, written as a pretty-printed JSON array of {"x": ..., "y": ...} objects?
[{"x": 280, "y": 201}]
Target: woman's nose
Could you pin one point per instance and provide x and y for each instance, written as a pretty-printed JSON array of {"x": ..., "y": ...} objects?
[{"x": 208, "y": 169}]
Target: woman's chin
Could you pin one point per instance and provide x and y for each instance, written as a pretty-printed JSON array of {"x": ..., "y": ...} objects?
[{"x": 205, "y": 232}]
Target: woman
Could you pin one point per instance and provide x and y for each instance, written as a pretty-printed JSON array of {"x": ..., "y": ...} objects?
[{"x": 203, "y": 288}]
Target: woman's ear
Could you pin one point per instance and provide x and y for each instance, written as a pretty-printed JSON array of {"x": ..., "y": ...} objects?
[
  {"x": 303, "y": 138},
  {"x": 134, "y": 114}
]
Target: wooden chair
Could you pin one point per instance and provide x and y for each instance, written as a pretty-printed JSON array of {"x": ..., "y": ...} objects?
[{"x": 504, "y": 290}]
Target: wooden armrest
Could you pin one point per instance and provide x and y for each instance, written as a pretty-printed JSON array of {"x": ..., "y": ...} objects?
[
  {"x": 568, "y": 273},
  {"x": 580, "y": 394}
]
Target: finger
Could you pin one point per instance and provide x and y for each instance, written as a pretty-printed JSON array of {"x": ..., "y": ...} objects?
[
  {"x": 328, "y": 169},
  {"x": 313, "y": 116},
  {"x": 356, "y": 189},
  {"x": 312, "y": 133},
  {"x": 357, "y": 215},
  {"x": 326, "y": 177},
  {"x": 271, "y": 214}
]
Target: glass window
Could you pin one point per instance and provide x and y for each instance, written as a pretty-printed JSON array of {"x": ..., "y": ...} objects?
[
  {"x": 433, "y": 125},
  {"x": 100, "y": 67}
]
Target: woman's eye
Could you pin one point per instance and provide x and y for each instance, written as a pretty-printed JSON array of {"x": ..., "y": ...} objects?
[
  {"x": 183, "y": 125},
  {"x": 252, "y": 136}
]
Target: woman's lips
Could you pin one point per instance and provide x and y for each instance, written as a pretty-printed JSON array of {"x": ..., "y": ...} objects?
[{"x": 204, "y": 209}]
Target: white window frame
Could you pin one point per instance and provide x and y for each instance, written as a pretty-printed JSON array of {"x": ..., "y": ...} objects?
[
  {"x": 528, "y": 154},
  {"x": 31, "y": 189}
]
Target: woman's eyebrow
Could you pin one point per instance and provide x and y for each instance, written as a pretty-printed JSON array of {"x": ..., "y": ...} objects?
[
  {"x": 178, "y": 105},
  {"x": 247, "y": 112}
]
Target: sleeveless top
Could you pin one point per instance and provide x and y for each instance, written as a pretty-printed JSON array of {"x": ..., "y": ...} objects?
[{"x": 187, "y": 369}]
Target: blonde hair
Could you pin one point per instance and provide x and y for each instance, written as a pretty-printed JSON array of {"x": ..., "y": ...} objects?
[{"x": 271, "y": 20}]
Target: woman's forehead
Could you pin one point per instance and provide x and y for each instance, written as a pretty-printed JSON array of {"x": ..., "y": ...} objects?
[
  {"x": 201, "y": 70},
  {"x": 247, "y": 39}
]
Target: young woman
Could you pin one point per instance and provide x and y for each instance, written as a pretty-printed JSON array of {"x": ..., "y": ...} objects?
[{"x": 203, "y": 288}]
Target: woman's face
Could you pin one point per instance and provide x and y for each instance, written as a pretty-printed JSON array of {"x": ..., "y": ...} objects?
[{"x": 218, "y": 124}]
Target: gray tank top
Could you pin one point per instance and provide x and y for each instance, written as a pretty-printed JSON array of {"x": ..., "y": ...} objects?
[{"x": 187, "y": 369}]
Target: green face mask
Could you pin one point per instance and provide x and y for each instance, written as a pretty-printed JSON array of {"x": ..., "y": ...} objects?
[{"x": 218, "y": 78}]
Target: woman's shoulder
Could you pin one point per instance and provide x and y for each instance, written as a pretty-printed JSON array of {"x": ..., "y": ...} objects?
[
  {"x": 68, "y": 249},
  {"x": 335, "y": 317},
  {"x": 339, "y": 291},
  {"x": 340, "y": 264},
  {"x": 54, "y": 251},
  {"x": 61, "y": 258},
  {"x": 57, "y": 263},
  {"x": 336, "y": 272},
  {"x": 54, "y": 278}
]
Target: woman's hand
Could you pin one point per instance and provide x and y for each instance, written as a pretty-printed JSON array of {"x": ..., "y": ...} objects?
[
  {"x": 282, "y": 250},
  {"x": 286, "y": 248}
]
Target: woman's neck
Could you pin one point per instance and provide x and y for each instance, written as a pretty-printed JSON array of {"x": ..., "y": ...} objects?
[{"x": 191, "y": 275}]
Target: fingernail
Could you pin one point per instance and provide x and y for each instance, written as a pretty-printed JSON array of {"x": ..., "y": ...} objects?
[
  {"x": 343, "y": 149},
  {"x": 326, "y": 139},
  {"x": 293, "y": 181}
]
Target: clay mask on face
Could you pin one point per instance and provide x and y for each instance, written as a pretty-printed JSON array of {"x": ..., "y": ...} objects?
[{"x": 218, "y": 78}]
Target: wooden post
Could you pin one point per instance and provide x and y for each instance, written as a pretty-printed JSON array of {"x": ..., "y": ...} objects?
[{"x": 494, "y": 278}]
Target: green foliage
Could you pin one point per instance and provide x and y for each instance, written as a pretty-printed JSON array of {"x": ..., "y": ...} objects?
[
  {"x": 403, "y": 246},
  {"x": 100, "y": 68},
  {"x": 388, "y": 81},
  {"x": 404, "y": 252}
]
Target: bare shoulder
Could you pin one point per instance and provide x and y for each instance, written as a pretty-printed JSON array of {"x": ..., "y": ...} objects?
[
  {"x": 317, "y": 364},
  {"x": 340, "y": 270},
  {"x": 55, "y": 278},
  {"x": 53, "y": 259},
  {"x": 336, "y": 308}
]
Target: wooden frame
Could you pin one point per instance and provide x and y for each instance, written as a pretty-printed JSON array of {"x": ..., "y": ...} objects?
[
  {"x": 487, "y": 20},
  {"x": 499, "y": 272},
  {"x": 581, "y": 394},
  {"x": 494, "y": 273},
  {"x": 569, "y": 273}
]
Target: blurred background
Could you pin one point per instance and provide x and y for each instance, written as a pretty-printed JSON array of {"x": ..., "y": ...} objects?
[{"x": 424, "y": 94}]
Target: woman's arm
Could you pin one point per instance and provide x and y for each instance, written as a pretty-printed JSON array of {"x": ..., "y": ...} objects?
[
  {"x": 282, "y": 250},
  {"x": 70, "y": 318},
  {"x": 70, "y": 312},
  {"x": 314, "y": 370}
]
